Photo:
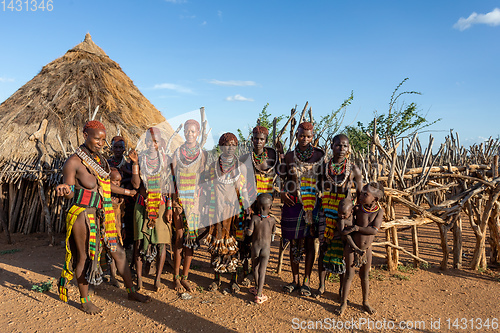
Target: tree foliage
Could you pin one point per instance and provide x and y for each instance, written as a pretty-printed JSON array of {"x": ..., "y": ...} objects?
[
  {"x": 264, "y": 119},
  {"x": 401, "y": 121}
]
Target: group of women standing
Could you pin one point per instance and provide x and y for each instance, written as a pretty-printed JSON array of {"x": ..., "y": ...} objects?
[{"x": 179, "y": 196}]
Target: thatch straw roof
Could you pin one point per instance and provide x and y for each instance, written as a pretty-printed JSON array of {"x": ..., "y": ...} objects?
[{"x": 66, "y": 92}]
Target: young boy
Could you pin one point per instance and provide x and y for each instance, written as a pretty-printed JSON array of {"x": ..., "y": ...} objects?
[
  {"x": 117, "y": 201},
  {"x": 368, "y": 219},
  {"x": 262, "y": 228}
]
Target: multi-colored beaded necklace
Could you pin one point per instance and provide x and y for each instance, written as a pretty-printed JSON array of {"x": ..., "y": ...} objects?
[
  {"x": 370, "y": 210},
  {"x": 306, "y": 154},
  {"x": 190, "y": 153},
  {"x": 337, "y": 169},
  {"x": 94, "y": 160},
  {"x": 261, "y": 157},
  {"x": 227, "y": 163}
]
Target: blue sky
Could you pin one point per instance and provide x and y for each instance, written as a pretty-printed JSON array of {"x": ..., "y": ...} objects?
[{"x": 233, "y": 57}]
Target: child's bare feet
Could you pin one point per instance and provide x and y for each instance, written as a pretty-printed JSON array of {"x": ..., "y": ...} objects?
[
  {"x": 177, "y": 284},
  {"x": 185, "y": 283},
  {"x": 90, "y": 308},
  {"x": 157, "y": 285},
  {"x": 368, "y": 308},
  {"x": 139, "y": 297},
  {"x": 340, "y": 310}
]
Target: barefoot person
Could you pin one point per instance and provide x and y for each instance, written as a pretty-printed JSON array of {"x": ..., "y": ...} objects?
[
  {"x": 368, "y": 218},
  {"x": 338, "y": 176},
  {"x": 299, "y": 217},
  {"x": 262, "y": 228},
  {"x": 228, "y": 207},
  {"x": 153, "y": 215},
  {"x": 90, "y": 223},
  {"x": 264, "y": 161},
  {"x": 188, "y": 163}
]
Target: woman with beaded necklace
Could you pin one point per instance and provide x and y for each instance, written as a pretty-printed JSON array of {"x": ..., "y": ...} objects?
[
  {"x": 338, "y": 176},
  {"x": 153, "y": 215},
  {"x": 188, "y": 163},
  {"x": 228, "y": 207},
  {"x": 90, "y": 220},
  {"x": 264, "y": 161},
  {"x": 299, "y": 217}
]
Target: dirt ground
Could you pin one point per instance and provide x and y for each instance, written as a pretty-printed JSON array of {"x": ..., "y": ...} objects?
[{"x": 423, "y": 300}]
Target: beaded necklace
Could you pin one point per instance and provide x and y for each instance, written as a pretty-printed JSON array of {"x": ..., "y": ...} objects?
[
  {"x": 370, "y": 210},
  {"x": 306, "y": 154},
  {"x": 151, "y": 166},
  {"x": 258, "y": 159},
  {"x": 227, "y": 163},
  {"x": 190, "y": 154},
  {"x": 94, "y": 161},
  {"x": 219, "y": 173},
  {"x": 333, "y": 170},
  {"x": 114, "y": 163}
]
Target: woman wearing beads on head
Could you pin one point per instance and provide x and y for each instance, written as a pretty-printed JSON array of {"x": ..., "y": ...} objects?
[
  {"x": 228, "y": 207},
  {"x": 90, "y": 223},
  {"x": 299, "y": 218},
  {"x": 153, "y": 214},
  {"x": 263, "y": 161},
  {"x": 188, "y": 163},
  {"x": 339, "y": 174}
]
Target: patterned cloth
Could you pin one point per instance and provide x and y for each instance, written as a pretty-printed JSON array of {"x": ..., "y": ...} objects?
[
  {"x": 293, "y": 222},
  {"x": 333, "y": 259}
]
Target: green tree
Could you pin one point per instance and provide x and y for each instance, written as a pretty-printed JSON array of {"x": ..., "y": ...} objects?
[
  {"x": 401, "y": 121},
  {"x": 264, "y": 119}
]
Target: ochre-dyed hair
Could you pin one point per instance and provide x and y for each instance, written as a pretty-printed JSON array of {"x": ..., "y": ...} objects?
[
  {"x": 117, "y": 139},
  {"x": 260, "y": 130},
  {"x": 155, "y": 133},
  {"x": 377, "y": 190},
  {"x": 227, "y": 137},
  {"x": 306, "y": 126},
  {"x": 192, "y": 122},
  {"x": 93, "y": 124}
]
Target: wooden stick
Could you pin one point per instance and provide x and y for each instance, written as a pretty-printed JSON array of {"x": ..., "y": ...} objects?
[{"x": 401, "y": 249}]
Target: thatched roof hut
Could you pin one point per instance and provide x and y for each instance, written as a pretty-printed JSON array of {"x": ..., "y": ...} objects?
[
  {"x": 56, "y": 103},
  {"x": 66, "y": 92}
]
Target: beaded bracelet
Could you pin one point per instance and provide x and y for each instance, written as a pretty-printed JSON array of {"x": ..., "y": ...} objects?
[
  {"x": 84, "y": 300},
  {"x": 130, "y": 290}
]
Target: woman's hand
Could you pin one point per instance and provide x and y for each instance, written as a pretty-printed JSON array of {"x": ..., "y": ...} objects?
[{"x": 63, "y": 190}]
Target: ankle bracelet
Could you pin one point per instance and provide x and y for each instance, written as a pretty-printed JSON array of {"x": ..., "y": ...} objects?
[
  {"x": 130, "y": 290},
  {"x": 177, "y": 277},
  {"x": 184, "y": 277},
  {"x": 84, "y": 300}
]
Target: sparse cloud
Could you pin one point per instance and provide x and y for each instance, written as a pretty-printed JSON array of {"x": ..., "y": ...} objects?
[
  {"x": 204, "y": 23},
  {"x": 492, "y": 18},
  {"x": 232, "y": 83},
  {"x": 238, "y": 98},
  {"x": 174, "y": 87},
  {"x": 176, "y": 1},
  {"x": 6, "y": 79},
  {"x": 182, "y": 17},
  {"x": 219, "y": 14}
]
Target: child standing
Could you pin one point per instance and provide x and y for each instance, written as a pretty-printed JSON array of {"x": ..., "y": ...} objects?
[
  {"x": 368, "y": 219},
  {"x": 262, "y": 228}
]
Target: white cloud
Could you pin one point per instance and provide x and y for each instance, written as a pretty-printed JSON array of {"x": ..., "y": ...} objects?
[
  {"x": 238, "y": 98},
  {"x": 182, "y": 17},
  {"x": 492, "y": 18},
  {"x": 219, "y": 14},
  {"x": 176, "y": 1},
  {"x": 204, "y": 23},
  {"x": 6, "y": 79},
  {"x": 233, "y": 83},
  {"x": 174, "y": 87}
]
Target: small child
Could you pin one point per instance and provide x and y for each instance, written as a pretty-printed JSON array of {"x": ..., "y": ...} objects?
[
  {"x": 115, "y": 178},
  {"x": 262, "y": 228},
  {"x": 368, "y": 218}
]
